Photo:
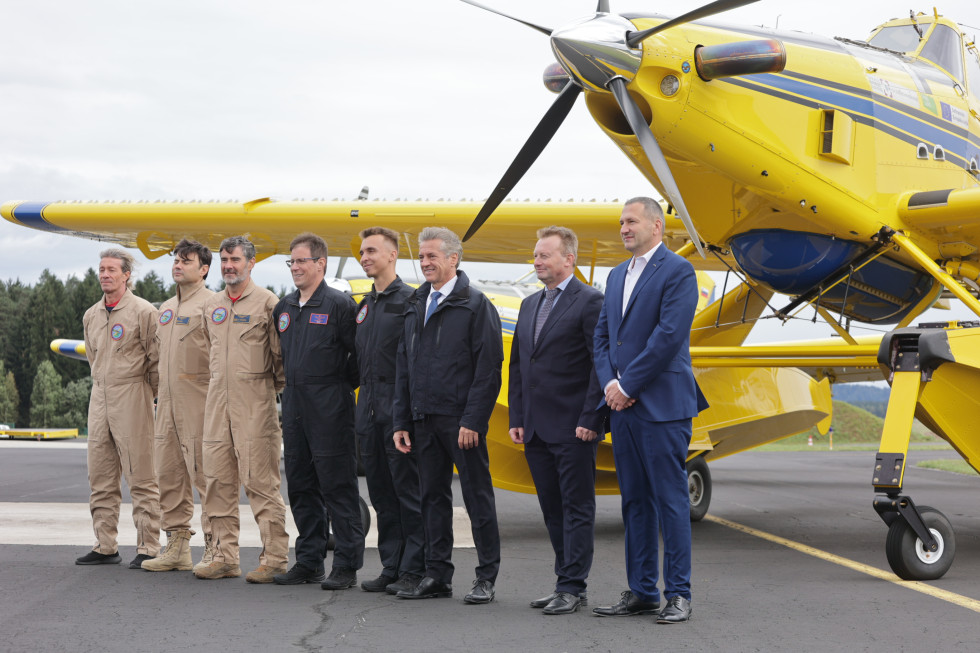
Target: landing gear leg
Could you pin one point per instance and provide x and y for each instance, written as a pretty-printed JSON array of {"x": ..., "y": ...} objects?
[{"x": 920, "y": 543}]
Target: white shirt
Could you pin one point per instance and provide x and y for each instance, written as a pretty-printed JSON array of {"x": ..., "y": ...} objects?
[
  {"x": 636, "y": 268},
  {"x": 444, "y": 292}
]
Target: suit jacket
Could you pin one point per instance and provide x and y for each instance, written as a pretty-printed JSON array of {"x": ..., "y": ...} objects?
[
  {"x": 553, "y": 387},
  {"x": 649, "y": 345}
]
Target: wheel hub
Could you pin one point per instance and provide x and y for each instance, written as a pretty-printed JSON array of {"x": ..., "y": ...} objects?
[{"x": 925, "y": 555}]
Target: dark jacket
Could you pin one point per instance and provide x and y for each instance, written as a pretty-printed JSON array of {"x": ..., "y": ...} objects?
[
  {"x": 452, "y": 365},
  {"x": 552, "y": 385},
  {"x": 318, "y": 339},
  {"x": 380, "y": 323}
]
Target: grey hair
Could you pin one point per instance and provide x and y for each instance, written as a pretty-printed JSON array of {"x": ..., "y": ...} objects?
[
  {"x": 450, "y": 241},
  {"x": 229, "y": 245},
  {"x": 127, "y": 260},
  {"x": 651, "y": 208}
]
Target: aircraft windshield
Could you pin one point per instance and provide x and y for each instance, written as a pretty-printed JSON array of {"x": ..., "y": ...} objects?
[
  {"x": 900, "y": 38},
  {"x": 944, "y": 50}
]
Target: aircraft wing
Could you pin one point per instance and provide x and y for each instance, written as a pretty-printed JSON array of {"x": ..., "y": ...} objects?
[{"x": 155, "y": 227}]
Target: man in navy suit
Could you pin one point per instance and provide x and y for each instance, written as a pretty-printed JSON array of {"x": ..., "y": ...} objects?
[
  {"x": 553, "y": 393},
  {"x": 643, "y": 362}
]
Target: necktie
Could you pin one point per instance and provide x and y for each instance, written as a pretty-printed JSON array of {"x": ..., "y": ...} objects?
[
  {"x": 433, "y": 304},
  {"x": 549, "y": 302}
]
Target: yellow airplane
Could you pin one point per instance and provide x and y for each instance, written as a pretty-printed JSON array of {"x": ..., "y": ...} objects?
[
  {"x": 837, "y": 173},
  {"x": 841, "y": 173}
]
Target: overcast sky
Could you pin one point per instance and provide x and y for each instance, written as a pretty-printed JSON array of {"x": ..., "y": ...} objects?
[{"x": 207, "y": 99}]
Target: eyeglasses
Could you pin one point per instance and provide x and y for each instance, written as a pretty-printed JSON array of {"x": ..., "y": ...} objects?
[{"x": 290, "y": 262}]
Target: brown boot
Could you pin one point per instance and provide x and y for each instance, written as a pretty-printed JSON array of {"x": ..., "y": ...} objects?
[
  {"x": 177, "y": 555},
  {"x": 208, "y": 552},
  {"x": 264, "y": 573},
  {"x": 218, "y": 569}
]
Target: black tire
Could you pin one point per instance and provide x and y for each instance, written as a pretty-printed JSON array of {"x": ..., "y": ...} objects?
[
  {"x": 365, "y": 522},
  {"x": 906, "y": 555},
  {"x": 698, "y": 487}
]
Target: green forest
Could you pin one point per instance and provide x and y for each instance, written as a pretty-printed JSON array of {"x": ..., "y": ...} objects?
[{"x": 39, "y": 388}]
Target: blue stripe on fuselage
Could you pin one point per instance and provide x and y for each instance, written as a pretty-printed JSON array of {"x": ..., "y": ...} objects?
[
  {"x": 955, "y": 146},
  {"x": 31, "y": 214}
]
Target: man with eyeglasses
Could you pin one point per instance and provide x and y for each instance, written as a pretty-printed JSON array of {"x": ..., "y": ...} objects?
[
  {"x": 242, "y": 438},
  {"x": 316, "y": 331}
]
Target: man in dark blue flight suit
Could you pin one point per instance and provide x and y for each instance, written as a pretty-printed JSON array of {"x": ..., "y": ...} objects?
[
  {"x": 392, "y": 477},
  {"x": 316, "y": 332}
]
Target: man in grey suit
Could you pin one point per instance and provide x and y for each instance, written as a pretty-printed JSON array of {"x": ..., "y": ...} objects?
[{"x": 553, "y": 394}]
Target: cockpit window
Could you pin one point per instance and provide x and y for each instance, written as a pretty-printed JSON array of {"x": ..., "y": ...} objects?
[
  {"x": 973, "y": 70},
  {"x": 945, "y": 50},
  {"x": 900, "y": 38}
]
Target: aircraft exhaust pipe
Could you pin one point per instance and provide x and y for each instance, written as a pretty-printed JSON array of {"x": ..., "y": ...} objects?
[{"x": 740, "y": 58}]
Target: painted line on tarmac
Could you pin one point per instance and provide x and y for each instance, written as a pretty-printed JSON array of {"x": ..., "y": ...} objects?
[
  {"x": 918, "y": 586},
  {"x": 71, "y": 523}
]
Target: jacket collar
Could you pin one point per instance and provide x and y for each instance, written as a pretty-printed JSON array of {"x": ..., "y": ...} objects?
[
  {"x": 315, "y": 299},
  {"x": 459, "y": 295}
]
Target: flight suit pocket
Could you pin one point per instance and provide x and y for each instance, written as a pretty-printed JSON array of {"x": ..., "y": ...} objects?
[
  {"x": 194, "y": 357},
  {"x": 255, "y": 348}
]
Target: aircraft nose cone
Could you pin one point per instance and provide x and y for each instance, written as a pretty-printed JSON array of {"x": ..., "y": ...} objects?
[{"x": 593, "y": 50}]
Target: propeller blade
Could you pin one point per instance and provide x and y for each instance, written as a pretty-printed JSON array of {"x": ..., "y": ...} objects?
[
  {"x": 633, "y": 39},
  {"x": 543, "y": 30},
  {"x": 535, "y": 144},
  {"x": 602, "y": 7},
  {"x": 655, "y": 155}
]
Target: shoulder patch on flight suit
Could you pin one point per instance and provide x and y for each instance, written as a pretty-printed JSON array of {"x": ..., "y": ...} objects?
[
  {"x": 183, "y": 320},
  {"x": 283, "y": 322},
  {"x": 219, "y": 315},
  {"x": 319, "y": 318},
  {"x": 117, "y": 331},
  {"x": 166, "y": 316},
  {"x": 361, "y": 314},
  {"x": 242, "y": 319}
]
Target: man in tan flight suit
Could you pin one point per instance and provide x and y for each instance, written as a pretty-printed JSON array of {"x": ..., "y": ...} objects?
[
  {"x": 120, "y": 347},
  {"x": 179, "y": 425},
  {"x": 242, "y": 438}
]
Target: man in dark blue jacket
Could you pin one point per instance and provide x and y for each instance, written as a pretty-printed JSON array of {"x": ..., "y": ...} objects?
[
  {"x": 447, "y": 382},
  {"x": 553, "y": 394},
  {"x": 392, "y": 477},
  {"x": 316, "y": 333}
]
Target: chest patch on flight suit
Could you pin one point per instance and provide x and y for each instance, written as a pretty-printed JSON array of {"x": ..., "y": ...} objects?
[
  {"x": 283, "y": 322},
  {"x": 183, "y": 320},
  {"x": 166, "y": 316},
  {"x": 319, "y": 318},
  {"x": 243, "y": 319},
  {"x": 219, "y": 315},
  {"x": 117, "y": 332},
  {"x": 361, "y": 314}
]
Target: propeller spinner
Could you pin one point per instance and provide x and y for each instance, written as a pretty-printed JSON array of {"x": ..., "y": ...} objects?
[{"x": 600, "y": 53}]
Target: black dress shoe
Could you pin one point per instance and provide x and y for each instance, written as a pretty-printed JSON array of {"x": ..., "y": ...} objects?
[
  {"x": 678, "y": 609},
  {"x": 545, "y": 600},
  {"x": 428, "y": 588},
  {"x": 564, "y": 603},
  {"x": 628, "y": 606},
  {"x": 137, "y": 562},
  {"x": 378, "y": 584},
  {"x": 406, "y": 583},
  {"x": 340, "y": 578},
  {"x": 96, "y": 558},
  {"x": 300, "y": 574},
  {"x": 482, "y": 592}
]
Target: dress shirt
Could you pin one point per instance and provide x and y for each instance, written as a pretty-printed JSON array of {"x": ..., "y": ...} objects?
[{"x": 445, "y": 290}]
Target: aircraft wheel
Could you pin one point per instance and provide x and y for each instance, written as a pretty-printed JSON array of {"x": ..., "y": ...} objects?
[
  {"x": 906, "y": 554},
  {"x": 698, "y": 487},
  {"x": 365, "y": 522}
]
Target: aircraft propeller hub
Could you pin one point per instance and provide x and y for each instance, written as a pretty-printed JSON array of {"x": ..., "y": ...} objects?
[{"x": 593, "y": 50}]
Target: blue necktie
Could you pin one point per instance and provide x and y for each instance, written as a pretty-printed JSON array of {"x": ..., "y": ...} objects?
[{"x": 433, "y": 304}]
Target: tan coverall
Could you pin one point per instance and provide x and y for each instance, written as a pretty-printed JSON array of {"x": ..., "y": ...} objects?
[
  {"x": 242, "y": 437},
  {"x": 179, "y": 425},
  {"x": 121, "y": 350}
]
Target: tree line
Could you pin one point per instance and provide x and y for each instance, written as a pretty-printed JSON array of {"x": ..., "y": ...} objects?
[{"x": 39, "y": 388}]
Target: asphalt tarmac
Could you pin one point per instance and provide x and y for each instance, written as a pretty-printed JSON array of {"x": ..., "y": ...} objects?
[{"x": 825, "y": 586}]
